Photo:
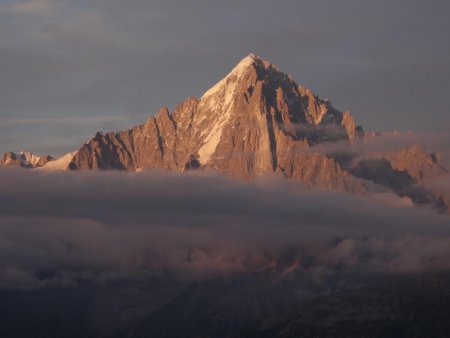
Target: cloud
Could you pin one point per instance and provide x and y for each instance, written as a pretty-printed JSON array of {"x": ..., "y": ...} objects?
[
  {"x": 34, "y": 7},
  {"x": 62, "y": 228},
  {"x": 391, "y": 141},
  {"x": 83, "y": 121},
  {"x": 441, "y": 184}
]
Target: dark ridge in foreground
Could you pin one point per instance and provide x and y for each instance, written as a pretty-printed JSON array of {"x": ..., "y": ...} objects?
[{"x": 402, "y": 306}]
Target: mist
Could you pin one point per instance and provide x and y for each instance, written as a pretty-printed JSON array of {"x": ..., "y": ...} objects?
[{"x": 57, "y": 229}]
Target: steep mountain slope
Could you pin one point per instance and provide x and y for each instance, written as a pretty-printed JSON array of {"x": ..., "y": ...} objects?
[
  {"x": 256, "y": 120},
  {"x": 59, "y": 164}
]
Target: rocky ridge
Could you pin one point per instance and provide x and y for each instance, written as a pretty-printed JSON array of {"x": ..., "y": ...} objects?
[{"x": 25, "y": 159}]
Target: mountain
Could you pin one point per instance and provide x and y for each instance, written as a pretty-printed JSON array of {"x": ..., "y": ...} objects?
[
  {"x": 258, "y": 120},
  {"x": 255, "y": 121},
  {"x": 25, "y": 159}
]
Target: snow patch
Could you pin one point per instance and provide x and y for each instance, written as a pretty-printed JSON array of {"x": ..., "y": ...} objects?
[
  {"x": 239, "y": 69},
  {"x": 60, "y": 164},
  {"x": 217, "y": 102}
]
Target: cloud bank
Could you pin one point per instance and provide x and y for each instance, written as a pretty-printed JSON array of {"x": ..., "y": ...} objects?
[{"x": 62, "y": 228}]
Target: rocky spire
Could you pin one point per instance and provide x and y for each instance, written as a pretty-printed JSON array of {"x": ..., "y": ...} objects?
[{"x": 256, "y": 120}]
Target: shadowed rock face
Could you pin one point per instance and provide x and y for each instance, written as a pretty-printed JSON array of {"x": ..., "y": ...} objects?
[
  {"x": 255, "y": 121},
  {"x": 407, "y": 172}
]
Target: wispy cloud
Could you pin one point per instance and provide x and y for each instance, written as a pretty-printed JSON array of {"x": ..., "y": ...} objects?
[
  {"x": 434, "y": 142},
  {"x": 63, "y": 121},
  {"x": 33, "y": 7}
]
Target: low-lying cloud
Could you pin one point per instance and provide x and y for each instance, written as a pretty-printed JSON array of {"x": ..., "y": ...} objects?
[
  {"x": 62, "y": 228},
  {"x": 436, "y": 142}
]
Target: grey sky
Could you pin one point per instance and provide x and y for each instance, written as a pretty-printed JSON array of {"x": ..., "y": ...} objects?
[{"x": 71, "y": 67}]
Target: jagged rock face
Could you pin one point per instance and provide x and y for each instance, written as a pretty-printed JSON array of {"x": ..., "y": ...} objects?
[
  {"x": 407, "y": 172},
  {"x": 417, "y": 162},
  {"x": 146, "y": 146},
  {"x": 25, "y": 159},
  {"x": 256, "y": 120}
]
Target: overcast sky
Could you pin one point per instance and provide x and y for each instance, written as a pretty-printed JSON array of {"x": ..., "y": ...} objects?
[{"x": 71, "y": 67}]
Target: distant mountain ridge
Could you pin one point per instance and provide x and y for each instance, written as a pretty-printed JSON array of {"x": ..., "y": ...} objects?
[
  {"x": 255, "y": 121},
  {"x": 25, "y": 159}
]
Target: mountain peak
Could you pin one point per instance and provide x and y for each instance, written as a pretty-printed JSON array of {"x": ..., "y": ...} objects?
[
  {"x": 245, "y": 125},
  {"x": 257, "y": 120},
  {"x": 253, "y": 60},
  {"x": 249, "y": 60},
  {"x": 237, "y": 71}
]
